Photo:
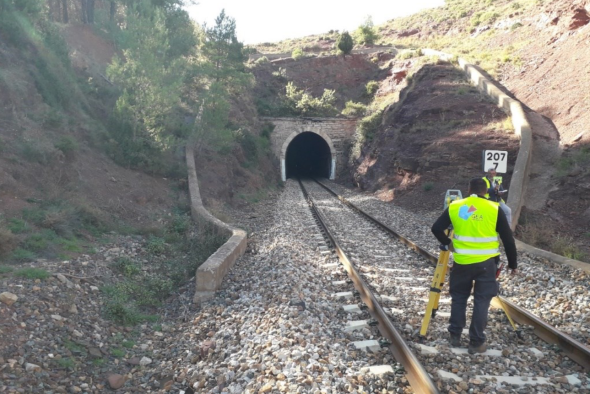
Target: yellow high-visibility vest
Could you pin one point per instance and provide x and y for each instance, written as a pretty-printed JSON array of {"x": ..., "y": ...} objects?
[
  {"x": 488, "y": 185},
  {"x": 474, "y": 223}
]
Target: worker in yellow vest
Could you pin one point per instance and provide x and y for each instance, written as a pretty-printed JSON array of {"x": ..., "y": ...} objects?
[
  {"x": 476, "y": 250},
  {"x": 495, "y": 192}
]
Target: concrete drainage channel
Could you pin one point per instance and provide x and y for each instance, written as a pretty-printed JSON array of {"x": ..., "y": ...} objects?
[{"x": 453, "y": 369}]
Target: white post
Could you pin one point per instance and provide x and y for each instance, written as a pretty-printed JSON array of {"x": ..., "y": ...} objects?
[
  {"x": 283, "y": 171},
  {"x": 333, "y": 169}
]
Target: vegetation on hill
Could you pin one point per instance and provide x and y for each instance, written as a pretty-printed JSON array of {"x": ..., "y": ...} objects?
[
  {"x": 464, "y": 28},
  {"x": 169, "y": 83}
]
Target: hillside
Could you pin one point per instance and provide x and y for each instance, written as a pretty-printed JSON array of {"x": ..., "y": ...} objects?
[
  {"x": 63, "y": 155},
  {"x": 538, "y": 50}
]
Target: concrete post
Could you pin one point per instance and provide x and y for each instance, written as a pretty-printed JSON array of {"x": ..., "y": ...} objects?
[
  {"x": 283, "y": 171},
  {"x": 333, "y": 169}
]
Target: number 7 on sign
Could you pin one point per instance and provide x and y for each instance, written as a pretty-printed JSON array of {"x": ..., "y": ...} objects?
[{"x": 497, "y": 159}]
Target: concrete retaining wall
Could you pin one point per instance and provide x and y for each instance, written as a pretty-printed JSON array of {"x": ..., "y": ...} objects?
[
  {"x": 210, "y": 274},
  {"x": 522, "y": 167},
  {"x": 522, "y": 128}
]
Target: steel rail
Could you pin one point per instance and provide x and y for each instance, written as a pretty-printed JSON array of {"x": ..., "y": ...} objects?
[
  {"x": 574, "y": 349},
  {"x": 417, "y": 376}
]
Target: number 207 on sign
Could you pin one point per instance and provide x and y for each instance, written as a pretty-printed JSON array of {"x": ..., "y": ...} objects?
[{"x": 497, "y": 159}]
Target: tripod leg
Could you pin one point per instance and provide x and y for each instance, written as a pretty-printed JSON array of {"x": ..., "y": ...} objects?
[{"x": 435, "y": 288}]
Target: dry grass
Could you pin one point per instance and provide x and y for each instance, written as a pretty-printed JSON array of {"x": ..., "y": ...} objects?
[
  {"x": 8, "y": 241},
  {"x": 565, "y": 245}
]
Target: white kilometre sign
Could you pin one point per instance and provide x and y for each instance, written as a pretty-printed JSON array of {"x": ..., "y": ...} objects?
[{"x": 497, "y": 159}]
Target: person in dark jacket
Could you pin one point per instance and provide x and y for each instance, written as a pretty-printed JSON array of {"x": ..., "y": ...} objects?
[
  {"x": 496, "y": 192},
  {"x": 476, "y": 251}
]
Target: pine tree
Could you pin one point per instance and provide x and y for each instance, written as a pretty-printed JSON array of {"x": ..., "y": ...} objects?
[
  {"x": 223, "y": 49},
  {"x": 345, "y": 43}
]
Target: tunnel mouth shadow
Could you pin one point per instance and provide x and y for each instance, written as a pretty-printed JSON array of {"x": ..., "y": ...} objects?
[{"x": 308, "y": 156}]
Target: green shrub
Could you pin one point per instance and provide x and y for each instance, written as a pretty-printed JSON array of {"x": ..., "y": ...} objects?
[
  {"x": 305, "y": 104},
  {"x": 369, "y": 125},
  {"x": 281, "y": 73},
  {"x": 372, "y": 87},
  {"x": 407, "y": 55},
  {"x": 261, "y": 60},
  {"x": 179, "y": 224},
  {"x": 53, "y": 119},
  {"x": 34, "y": 152},
  {"x": 297, "y": 53},
  {"x": 32, "y": 273},
  {"x": 249, "y": 146},
  {"x": 73, "y": 346},
  {"x": 35, "y": 215},
  {"x": 156, "y": 246},
  {"x": 68, "y": 145},
  {"x": 366, "y": 34},
  {"x": 354, "y": 109},
  {"x": 249, "y": 51},
  {"x": 15, "y": 26},
  {"x": 36, "y": 243},
  {"x": 128, "y": 344},
  {"x": 8, "y": 241},
  {"x": 5, "y": 269},
  {"x": 126, "y": 267},
  {"x": 428, "y": 186},
  {"x": 345, "y": 43},
  {"x": 66, "y": 363},
  {"x": 122, "y": 314},
  {"x": 515, "y": 26},
  {"x": 18, "y": 226},
  {"x": 576, "y": 159},
  {"x": 564, "y": 245},
  {"x": 98, "y": 362},
  {"x": 118, "y": 353},
  {"x": 54, "y": 90},
  {"x": 155, "y": 290},
  {"x": 70, "y": 245},
  {"x": 22, "y": 255},
  {"x": 267, "y": 129}
]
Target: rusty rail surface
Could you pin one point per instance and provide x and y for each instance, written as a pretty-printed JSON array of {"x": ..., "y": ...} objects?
[
  {"x": 415, "y": 372},
  {"x": 574, "y": 349}
]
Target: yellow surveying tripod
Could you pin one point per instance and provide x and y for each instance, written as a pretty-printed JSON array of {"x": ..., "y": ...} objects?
[
  {"x": 440, "y": 273},
  {"x": 436, "y": 287}
]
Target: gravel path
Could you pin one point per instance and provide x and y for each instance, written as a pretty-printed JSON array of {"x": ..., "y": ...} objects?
[{"x": 276, "y": 325}]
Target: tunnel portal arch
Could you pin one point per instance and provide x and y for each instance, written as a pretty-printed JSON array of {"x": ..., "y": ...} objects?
[{"x": 320, "y": 155}]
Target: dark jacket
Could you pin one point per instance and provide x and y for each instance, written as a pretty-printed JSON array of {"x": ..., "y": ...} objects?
[{"x": 495, "y": 196}]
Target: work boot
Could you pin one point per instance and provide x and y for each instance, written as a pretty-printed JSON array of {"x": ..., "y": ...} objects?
[
  {"x": 481, "y": 348},
  {"x": 455, "y": 340}
]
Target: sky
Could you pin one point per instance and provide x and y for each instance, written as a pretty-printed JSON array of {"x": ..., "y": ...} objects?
[{"x": 259, "y": 21}]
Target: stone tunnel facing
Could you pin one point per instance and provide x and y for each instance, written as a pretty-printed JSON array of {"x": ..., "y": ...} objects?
[{"x": 308, "y": 155}]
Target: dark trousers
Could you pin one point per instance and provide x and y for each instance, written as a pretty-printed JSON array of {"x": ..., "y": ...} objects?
[{"x": 486, "y": 288}]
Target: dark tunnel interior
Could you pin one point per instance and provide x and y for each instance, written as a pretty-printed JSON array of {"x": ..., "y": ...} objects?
[{"x": 308, "y": 155}]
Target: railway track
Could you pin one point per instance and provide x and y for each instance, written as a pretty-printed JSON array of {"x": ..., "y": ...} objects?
[{"x": 397, "y": 273}]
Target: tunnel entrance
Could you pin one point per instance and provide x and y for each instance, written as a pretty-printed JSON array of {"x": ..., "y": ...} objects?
[{"x": 308, "y": 155}]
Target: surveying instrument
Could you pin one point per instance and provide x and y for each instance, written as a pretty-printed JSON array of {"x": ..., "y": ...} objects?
[{"x": 440, "y": 273}]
